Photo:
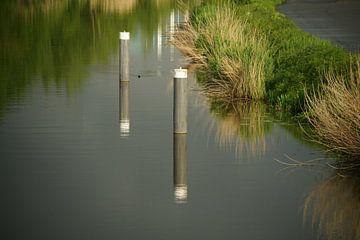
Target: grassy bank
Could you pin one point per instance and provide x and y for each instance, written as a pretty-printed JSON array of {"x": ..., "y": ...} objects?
[{"x": 251, "y": 51}]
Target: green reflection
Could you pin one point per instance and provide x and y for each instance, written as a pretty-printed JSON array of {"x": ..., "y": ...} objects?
[{"x": 55, "y": 41}]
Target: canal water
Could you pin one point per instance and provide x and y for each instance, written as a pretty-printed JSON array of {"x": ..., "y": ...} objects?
[{"x": 70, "y": 170}]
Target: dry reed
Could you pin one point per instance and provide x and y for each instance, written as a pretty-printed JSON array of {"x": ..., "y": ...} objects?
[
  {"x": 225, "y": 45},
  {"x": 334, "y": 113}
]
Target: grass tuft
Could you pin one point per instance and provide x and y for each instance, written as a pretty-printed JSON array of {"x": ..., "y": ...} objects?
[
  {"x": 235, "y": 56},
  {"x": 334, "y": 112}
]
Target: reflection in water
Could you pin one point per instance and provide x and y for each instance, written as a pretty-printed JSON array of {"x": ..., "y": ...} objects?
[
  {"x": 109, "y": 6},
  {"x": 244, "y": 127},
  {"x": 172, "y": 30},
  {"x": 113, "y": 6},
  {"x": 28, "y": 8},
  {"x": 180, "y": 168},
  {"x": 54, "y": 41},
  {"x": 159, "y": 42},
  {"x": 335, "y": 207},
  {"x": 124, "y": 113}
]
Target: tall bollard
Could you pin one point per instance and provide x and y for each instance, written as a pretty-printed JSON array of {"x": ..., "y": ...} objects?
[
  {"x": 180, "y": 101},
  {"x": 180, "y": 168},
  {"x": 124, "y": 56},
  {"x": 124, "y": 109}
]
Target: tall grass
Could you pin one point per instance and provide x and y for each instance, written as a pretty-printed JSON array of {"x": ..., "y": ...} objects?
[
  {"x": 334, "y": 113},
  {"x": 236, "y": 56},
  {"x": 299, "y": 58},
  {"x": 255, "y": 52}
]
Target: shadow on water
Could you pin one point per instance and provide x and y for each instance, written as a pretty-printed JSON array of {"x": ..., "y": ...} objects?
[
  {"x": 54, "y": 42},
  {"x": 333, "y": 207}
]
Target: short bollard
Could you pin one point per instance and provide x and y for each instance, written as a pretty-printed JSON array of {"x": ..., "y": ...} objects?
[
  {"x": 180, "y": 101},
  {"x": 124, "y": 56},
  {"x": 180, "y": 168}
]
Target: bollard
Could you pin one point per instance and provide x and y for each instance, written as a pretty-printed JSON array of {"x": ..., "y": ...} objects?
[
  {"x": 180, "y": 168},
  {"x": 124, "y": 109},
  {"x": 180, "y": 101},
  {"x": 124, "y": 56},
  {"x": 172, "y": 32},
  {"x": 159, "y": 42}
]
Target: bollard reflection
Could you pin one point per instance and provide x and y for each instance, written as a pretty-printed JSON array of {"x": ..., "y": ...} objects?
[
  {"x": 172, "y": 31},
  {"x": 159, "y": 43},
  {"x": 180, "y": 168},
  {"x": 124, "y": 89}
]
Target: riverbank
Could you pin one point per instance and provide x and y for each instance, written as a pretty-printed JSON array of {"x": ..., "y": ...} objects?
[{"x": 250, "y": 51}]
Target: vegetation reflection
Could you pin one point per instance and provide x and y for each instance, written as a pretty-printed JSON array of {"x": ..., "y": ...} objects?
[
  {"x": 56, "y": 40},
  {"x": 334, "y": 205},
  {"x": 243, "y": 126}
]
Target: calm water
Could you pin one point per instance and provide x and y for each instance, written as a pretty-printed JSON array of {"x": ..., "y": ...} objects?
[{"x": 68, "y": 171}]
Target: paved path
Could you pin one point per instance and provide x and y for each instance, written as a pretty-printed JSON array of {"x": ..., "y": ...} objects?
[{"x": 335, "y": 20}]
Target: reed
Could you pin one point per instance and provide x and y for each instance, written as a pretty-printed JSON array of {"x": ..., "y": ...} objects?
[
  {"x": 235, "y": 55},
  {"x": 334, "y": 112}
]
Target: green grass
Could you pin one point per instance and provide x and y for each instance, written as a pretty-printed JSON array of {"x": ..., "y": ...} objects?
[
  {"x": 268, "y": 58},
  {"x": 250, "y": 51},
  {"x": 237, "y": 57},
  {"x": 300, "y": 60}
]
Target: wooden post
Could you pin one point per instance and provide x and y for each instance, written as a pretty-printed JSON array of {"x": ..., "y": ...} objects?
[
  {"x": 124, "y": 56},
  {"x": 180, "y": 101},
  {"x": 124, "y": 109},
  {"x": 180, "y": 168}
]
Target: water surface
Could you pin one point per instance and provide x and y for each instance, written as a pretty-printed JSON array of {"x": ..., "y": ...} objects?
[{"x": 69, "y": 171}]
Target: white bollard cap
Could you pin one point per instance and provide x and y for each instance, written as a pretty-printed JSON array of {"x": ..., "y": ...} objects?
[
  {"x": 180, "y": 73},
  {"x": 181, "y": 194},
  {"x": 124, "y": 127},
  {"x": 124, "y": 36}
]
